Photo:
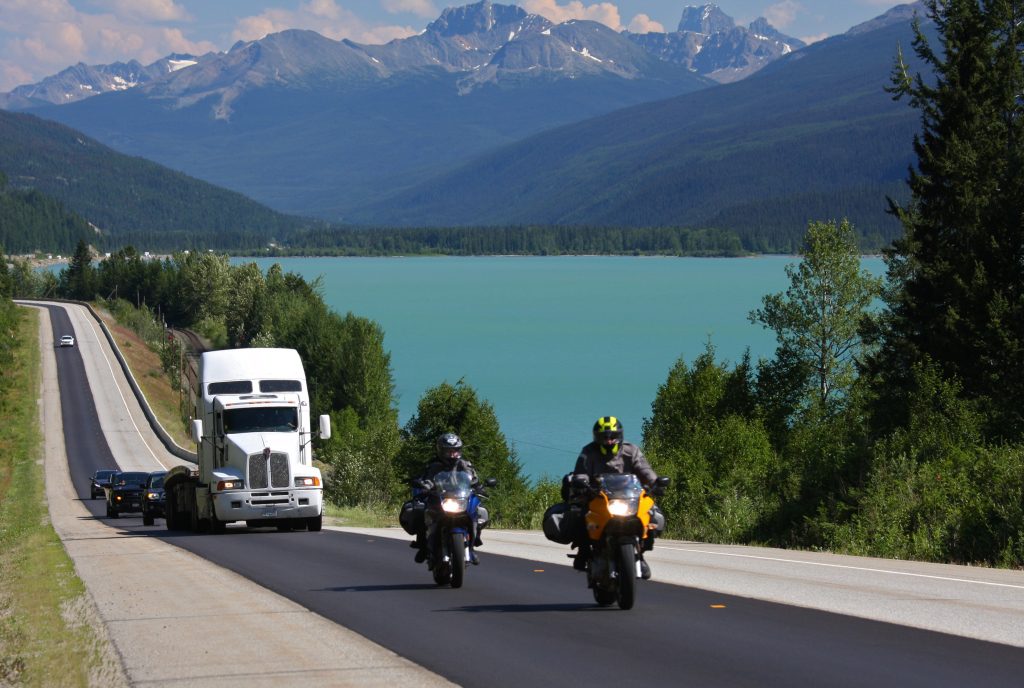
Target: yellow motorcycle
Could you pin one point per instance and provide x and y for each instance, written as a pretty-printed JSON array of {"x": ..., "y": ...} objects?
[{"x": 618, "y": 524}]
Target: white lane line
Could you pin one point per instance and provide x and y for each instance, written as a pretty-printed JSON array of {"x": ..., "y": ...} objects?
[
  {"x": 845, "y": 566},
  {"x": 113, "y": 377}
]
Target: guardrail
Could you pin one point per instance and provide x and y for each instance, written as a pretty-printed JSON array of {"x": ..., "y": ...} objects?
[{"x": 165, "y": 438}]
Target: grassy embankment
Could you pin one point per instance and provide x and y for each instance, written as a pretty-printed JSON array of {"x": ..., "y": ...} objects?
[
  {"x": 46, "y": 637},
  {"x": 164, "y": 401}
]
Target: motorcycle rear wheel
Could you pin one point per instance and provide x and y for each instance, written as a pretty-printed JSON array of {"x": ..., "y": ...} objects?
[{"x": 627, "y": 575}]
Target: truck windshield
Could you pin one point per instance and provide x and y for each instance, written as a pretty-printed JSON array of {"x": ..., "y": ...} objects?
[{"x": 266, "y": 419}]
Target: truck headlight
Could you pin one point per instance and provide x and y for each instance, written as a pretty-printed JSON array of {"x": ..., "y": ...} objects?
[
  {"x": 230, "y": 485},
  {"x": 307, "y": 482},
  {"x": 623, "y": 507},
  {"x": 152, "y": 495}
]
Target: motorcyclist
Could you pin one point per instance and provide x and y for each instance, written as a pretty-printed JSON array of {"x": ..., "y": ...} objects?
[
  {"x": 448, "y": 458},
  {"x": 608, "y": 453}
]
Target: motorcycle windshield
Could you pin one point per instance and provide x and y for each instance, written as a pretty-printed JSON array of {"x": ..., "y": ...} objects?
[
  {"x": 454, "y": 483},
  {"x": 619, "y": 486}
]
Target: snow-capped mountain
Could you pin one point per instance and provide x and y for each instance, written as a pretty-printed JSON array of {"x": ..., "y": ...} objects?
[
  {"x": 82, "y": 81},
  {"x": 308, "y": 124},
  {"x": 484, "y": 42},
  {"x": 709, "y": 42}
]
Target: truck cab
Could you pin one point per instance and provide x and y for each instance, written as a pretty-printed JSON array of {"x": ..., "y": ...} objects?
[{"x": 253, "y": 444}]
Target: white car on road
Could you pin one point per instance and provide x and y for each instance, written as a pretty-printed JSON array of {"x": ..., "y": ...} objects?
[{"x": 67, "y": 340}]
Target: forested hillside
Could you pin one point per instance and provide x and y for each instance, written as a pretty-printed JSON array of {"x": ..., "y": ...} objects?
[
  {"x": 130, "y": 198},
  {"x": 31, "y": 221}
]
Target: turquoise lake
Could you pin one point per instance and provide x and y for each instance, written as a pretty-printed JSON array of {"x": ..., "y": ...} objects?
[{"x": 552, "y": 343}]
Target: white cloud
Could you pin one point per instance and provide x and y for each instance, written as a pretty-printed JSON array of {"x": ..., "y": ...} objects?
[
  {"x": 421, "y": 8},
  {"x": 641, "y": 23},
  {"x": 604, "y": 12},
  {"x": 816, "y": 37},
  {"x": 325, "y": 17},
  {"x": 146, "y": 10},
  {"x": 44, "y": 37},
  {"x": 781, "y": 14}
]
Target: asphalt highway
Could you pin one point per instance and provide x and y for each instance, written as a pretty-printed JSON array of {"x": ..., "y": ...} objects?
[{"x": 527, "y": 621}]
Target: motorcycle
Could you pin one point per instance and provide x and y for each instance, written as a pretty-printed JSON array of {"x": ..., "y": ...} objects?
[
  {"x": 452, "y": 509},
  {"x": 618, "y": 523}
]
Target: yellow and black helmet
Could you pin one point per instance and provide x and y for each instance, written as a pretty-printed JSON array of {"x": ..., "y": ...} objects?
[{"x": 608, "y": 434}]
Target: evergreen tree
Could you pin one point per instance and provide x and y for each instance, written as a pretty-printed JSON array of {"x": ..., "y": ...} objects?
[
  {"x": 957, "y": 275},
  {"x": 79, "y": 280}
]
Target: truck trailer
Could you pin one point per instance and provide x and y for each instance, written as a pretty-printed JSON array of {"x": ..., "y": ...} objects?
[{"x": 252, "y": 433}]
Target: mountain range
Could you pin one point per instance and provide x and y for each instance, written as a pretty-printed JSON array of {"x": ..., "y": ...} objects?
[
  {"x": 812, "y": 136},
  {"x": 494, "y": 115}
]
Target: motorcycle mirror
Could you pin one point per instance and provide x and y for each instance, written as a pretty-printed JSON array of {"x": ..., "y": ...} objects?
[
  {"x": 491, "y": 482},
  {"x": 581, "y": 481},
  {"x": 663, "y": 481}
]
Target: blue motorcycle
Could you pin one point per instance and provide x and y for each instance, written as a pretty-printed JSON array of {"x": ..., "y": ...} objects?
[{"x": 452, "y": 517}]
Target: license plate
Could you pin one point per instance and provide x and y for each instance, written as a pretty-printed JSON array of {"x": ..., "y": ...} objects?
[{"x": 269, "y": 513}]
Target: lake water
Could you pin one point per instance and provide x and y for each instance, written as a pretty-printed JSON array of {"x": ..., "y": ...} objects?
[{"x": 552, "y": 342}]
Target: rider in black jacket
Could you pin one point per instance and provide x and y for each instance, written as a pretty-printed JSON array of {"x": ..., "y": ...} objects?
[{"x": 448, "y": 458}]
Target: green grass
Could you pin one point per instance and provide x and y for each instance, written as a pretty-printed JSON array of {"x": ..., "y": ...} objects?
[
  {"x": 43, "y": 639},
  {"x": 359, "y": 517}
]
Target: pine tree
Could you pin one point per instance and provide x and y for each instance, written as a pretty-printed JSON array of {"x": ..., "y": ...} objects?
[{"x": 956, "y": 277}]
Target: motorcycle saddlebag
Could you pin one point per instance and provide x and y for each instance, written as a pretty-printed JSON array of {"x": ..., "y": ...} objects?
[
  {"x": 556, "y": 525},
  {"x": 411, "y": 516}
]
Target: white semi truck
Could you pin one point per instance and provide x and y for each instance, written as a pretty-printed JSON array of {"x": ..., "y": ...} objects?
[{"x": 254, "y": 459}]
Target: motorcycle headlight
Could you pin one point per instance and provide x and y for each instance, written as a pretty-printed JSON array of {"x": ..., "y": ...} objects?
[
  {"x": 453, "y": 506},
  {"x": 623, "y": 507}
]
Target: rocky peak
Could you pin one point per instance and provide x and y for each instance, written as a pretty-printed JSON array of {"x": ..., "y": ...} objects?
[
  {"x": 482, "y": 17},
  {"x": 706, "y": 19}
]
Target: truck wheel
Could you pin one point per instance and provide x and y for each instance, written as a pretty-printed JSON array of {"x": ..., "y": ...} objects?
[
  {"x": 315, "y": 523},
  {"x": 217, "y": 526}
]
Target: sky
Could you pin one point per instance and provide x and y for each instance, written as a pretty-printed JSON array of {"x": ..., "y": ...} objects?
[{"x": 39, "y": 38}]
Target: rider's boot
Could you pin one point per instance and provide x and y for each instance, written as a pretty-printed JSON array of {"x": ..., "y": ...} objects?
[
  {"x": 645, "y": 570},
  {"x": 582, "y": 557},
  {"x": 420, "y": 543}
]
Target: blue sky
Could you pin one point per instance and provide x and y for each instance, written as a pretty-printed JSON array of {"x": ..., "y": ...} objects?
[{"x": 41, "y": 37}]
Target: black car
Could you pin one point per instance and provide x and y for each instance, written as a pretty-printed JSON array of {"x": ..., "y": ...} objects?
[
  {"x": 125, "y": 492},
  {"x": 99, "y": 480},
  {"x": 153, "y": 497}
]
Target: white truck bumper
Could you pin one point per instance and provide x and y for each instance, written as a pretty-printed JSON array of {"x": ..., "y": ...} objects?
[{"x": 261, "y": 505}]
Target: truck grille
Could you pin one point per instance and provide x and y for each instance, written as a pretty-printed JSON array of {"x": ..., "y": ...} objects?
[{"x": 262, "y": 476}]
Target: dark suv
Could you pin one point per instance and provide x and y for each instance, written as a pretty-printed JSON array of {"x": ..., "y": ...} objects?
[
  {"x": 99, "y": 480},
  {"x": 153, "y": 497},
  {"x": 125, "y": 493}
]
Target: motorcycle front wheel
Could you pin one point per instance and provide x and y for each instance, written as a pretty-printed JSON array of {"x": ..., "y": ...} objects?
[
  {"x": 457, "y": 550},
  {"x": 627, "y": 575}
]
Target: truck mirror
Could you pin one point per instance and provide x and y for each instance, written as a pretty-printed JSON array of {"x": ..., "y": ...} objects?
[
  {"x": 325, "y": 427},
  {"x": 197, "y": 431}
]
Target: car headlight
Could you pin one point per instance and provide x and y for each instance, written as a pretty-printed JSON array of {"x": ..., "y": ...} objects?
[
  {"x": 152, "y": 495},
  {"x": 307, "y": 482},
  {"x": 452, "y": 505},
  {"x": 230, "y": 485},
  {"x": 623, "y": 507}
]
